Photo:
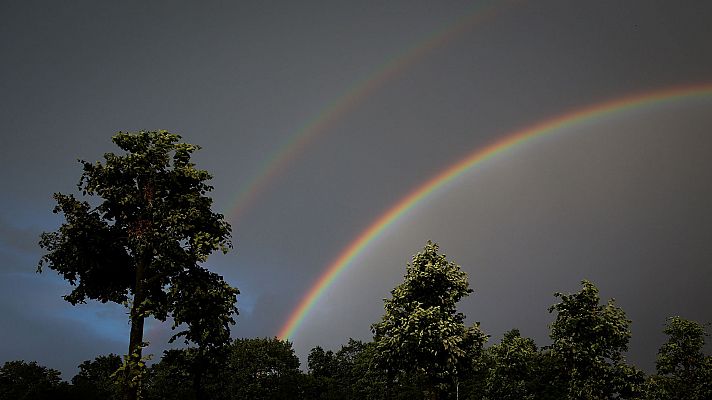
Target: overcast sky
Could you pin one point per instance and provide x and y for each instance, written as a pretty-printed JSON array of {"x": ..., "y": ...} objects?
[{"x": 411, "y": 87}]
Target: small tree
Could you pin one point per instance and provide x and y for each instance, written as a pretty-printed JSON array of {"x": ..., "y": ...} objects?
[
  {"x": 321, "y": 363},
  {"x": 142, "y": 240},
  {"x": 174, "y": 377},
  {"x": 589, "y": 340},
  {"x": 261, "y": 368},
  {"x": 94, "y": 380},
  {"x": 514, "y": 361},
  {"x": 338, "y": 375},
  {"x": 369, "y": 381},
  {"x": 683, "y": 370},
  {"x": 322, "y": 382},
  {"x": 31, "y": 381},
  {"x": 421, "y": 335}
]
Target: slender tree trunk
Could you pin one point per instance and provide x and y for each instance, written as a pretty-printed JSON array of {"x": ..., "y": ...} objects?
[{"x": 136, "y": 336}]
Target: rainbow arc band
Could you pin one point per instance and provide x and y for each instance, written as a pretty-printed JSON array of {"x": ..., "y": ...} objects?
[
  {"x": 274, "y": 165},
  {"x": 458, "y": 169}
]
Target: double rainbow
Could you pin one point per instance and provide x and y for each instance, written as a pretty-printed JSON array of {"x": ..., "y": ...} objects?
[{"x": 456, "y": 170}]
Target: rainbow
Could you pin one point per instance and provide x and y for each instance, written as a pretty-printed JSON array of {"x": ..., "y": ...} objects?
[
  {"x": 456, "y": 170},
  {"x": 273, "y": 165}
]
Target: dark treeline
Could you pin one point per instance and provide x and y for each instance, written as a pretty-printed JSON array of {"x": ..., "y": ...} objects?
[{"x": 584, "y": 361}]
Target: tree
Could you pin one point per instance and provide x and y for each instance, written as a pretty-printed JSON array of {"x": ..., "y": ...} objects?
[
  {"x": 30, "y": 381},
  {"x": 340, "y": 375},
  {"x": 251, "y": 369},
  {"x": 202, "y": 298},
  {"x": 349, "y": 367},
  {"x": 322, "y": 363},
  {"x": 370, "y": 381},
  {"x": 94, "y": 380},
  {"x": 513, "y": 366},
  {"x": 589, "y": 340},
  {"x": 261, "y": 368},
  {"x": 549, "y": 382},
  {"x": 421, "y": 335},
  {"x": 323, "y": 377},
  {"x": 142, "y": 242},
  {"x": 173, "y": 377},
  {"x": 683, "y": 370}
]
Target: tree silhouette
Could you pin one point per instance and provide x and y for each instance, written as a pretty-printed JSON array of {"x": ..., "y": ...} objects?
[
  {"x": 141, "y": 241},
  {"x": 683, "y": 370}
]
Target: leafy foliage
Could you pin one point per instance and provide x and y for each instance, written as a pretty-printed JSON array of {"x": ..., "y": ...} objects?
[
  {"x": 589, "y": 340},
  {"x": 262, "y": 369},
  {"x": 95, "y": 381},
  {"x": 22, "y": 380},
  {"x": 173, "y": 377},
  {"x": 347, "y": 374},
  {"x": 683, "y": 370},
  {"x": 421, "y": 335},
  {"x": 250, "y": 369},
  {"x": 511, "y": 375}
]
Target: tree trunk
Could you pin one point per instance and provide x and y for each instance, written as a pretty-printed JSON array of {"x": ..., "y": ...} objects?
[{"x": 136, "y": 336}]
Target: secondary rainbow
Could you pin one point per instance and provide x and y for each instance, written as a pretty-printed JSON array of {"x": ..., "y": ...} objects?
[
  {"x": 273, "y": 165},
  {"x": 454, "y": 171}
]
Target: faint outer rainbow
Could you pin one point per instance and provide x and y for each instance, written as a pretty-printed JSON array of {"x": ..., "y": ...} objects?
[
  {"x": 476, "y": 158},
  {"x": 283, "y": 156}
]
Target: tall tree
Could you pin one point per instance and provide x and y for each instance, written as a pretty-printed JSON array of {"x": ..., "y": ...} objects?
[
  {"x": 421, "y": 335},
  {"x": 589, "y": 340},
  {"x": 683, "y": 370},
  {"x": 142, "y": 240}
]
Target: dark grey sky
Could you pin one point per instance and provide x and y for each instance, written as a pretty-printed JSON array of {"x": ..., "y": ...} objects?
[{"x": 622, "y": 200}]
